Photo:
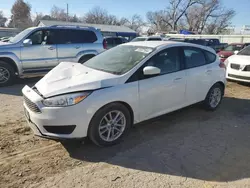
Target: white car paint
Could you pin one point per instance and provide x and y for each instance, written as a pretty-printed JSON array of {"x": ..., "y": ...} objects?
[
  {"x": 240, "y": 73},
  {"x": 147, "y": 98}
]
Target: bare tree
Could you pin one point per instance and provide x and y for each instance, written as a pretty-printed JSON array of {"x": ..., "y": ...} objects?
[
  {"x": 156, "y": 21},
  {"x": 209, "y": 16},
  {"x": 169, "y": 18},
  {"x": 39, "y": 16},
  {"x": 57, "y": 13},
  {"x": 20, "y": 15},
  {"x": 176, "y": 10},
  {"x": 136, "y": 22},
  {"x": 219, "y": 24},
  {"x": 97, "y": 15},
  {"x": 2, "y": 19}
]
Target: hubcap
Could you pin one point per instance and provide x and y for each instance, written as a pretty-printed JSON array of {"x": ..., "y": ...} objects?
[
  {"x": 4, "y": 75},
  {"x": 112, "y": 125},
  {"x": 215, "y": 97}
]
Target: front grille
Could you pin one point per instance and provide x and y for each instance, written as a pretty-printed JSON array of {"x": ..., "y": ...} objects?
[
  {"x": 247, "y": 68},
  {"x": 235, "y": 66},
  {"x": 239, "y": 77},
  {"x": 32, "y": 106}
]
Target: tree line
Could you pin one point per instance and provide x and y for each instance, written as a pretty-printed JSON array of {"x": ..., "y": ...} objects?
[{"x": 199, "y": 16}]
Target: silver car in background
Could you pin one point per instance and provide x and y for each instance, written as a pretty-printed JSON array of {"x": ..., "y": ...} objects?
[{"x": 35, "y": 51}]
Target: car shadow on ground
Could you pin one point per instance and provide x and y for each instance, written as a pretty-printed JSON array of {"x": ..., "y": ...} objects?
[
  {"x": 16, "y": 89},
  {"x": 191, "y": 142}
]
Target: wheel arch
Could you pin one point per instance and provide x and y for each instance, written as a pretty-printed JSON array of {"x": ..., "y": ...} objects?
[
  {"x": 86, "y": 55},
  {"x": 222, "y": 85}
]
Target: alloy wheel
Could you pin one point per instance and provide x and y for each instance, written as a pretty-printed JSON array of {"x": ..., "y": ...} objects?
[
  {"x": 112, "y": 125},
  {"x": 4, "y": 75},
  {"x": 215, "y": 97}
]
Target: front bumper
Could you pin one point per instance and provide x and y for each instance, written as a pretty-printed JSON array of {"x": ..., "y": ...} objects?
[
  {"x": 58, "y": 119},
  {"x": 238, "y": 75}
]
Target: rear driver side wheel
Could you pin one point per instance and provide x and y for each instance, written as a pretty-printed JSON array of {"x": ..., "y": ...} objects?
[{"x": 214, "y": 97}]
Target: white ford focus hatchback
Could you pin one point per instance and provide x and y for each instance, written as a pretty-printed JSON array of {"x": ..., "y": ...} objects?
[{"x": 125, "y": 85}]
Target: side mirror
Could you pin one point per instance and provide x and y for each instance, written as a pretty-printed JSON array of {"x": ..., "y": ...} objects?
[
  {"x": 27, "y": 42},
  {"x": 236, "y": 52},
  {"x": 151, "y": 71}
]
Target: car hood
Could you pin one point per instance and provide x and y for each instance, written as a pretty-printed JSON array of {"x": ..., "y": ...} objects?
[
  {"x": 225, "y": 53},
  {"x": 239, "y": 59},
  {"x": 6, "y": 44},
  {"x": 70, "y": 77}
]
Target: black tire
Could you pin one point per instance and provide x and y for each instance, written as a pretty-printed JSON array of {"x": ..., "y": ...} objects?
[
  {"x": 93, "y": 131},
  {"x": 207, "y": 102},
  {"x": 10, "y": 74},
  {"x": 85, "y": 58}
]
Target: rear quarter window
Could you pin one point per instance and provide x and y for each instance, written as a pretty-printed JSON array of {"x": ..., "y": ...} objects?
[{"x": 210, "y": 57}]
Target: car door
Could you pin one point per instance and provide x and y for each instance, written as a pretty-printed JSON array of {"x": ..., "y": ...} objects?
[
  {"x": 42, "y": 53},
  {"x": 198, "y": 74},
  {"x": 165, "y": 92},
  {"x": 69, "y": 44}
]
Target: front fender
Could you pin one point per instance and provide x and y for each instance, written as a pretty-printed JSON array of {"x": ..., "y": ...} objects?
[
  {"x": 86, "y": 52},
  {"x": 14, "y": 58}
]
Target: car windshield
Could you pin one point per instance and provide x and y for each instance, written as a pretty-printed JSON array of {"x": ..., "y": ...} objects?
[
  {"x": 20, "y": 36},
  {"x": 233, "y": 47},
  {"x": 119, "y": 60},
  {"x": 245, "y": 51},
  {"x": 139, "y": 39}
]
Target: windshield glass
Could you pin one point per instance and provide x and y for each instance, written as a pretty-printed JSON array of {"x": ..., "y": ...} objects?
[
  {"x": 20, "y": 36},
  {"x": 119, "y": 60},
  {"x": 138, "y": 39},
  {"x": 245, "y": 51},
  {"x": 233, "y": 47}
]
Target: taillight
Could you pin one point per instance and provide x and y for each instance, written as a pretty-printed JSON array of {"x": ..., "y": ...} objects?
[
  {"x": 222, "y": 65},
  {"x": 105, "y": 45}
]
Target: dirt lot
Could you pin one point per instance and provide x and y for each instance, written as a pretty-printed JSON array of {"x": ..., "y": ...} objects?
[{"x": 187, "y": 148}]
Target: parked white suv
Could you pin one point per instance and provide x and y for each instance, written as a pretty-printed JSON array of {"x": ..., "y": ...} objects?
[
  {"x": 127, "y": 84},
  {"x": 35, "y": 51}
]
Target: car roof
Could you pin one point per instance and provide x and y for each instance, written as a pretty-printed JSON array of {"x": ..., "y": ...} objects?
[
  {"x": 162, "y": 44},
  {"x": 112, "y": 37}
]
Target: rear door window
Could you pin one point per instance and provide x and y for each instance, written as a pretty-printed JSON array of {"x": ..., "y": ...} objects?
[
  {"x": 194, "y": 57},
  {"x": 210, "y": 57},
  {"x": 67, "y": 36}
]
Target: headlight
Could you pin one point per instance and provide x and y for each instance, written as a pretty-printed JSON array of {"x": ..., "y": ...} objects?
[
  {"x": 222, "y": 56},
  {"x": 65, "y": 100}
]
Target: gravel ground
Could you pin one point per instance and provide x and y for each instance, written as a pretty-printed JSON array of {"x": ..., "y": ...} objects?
[{"x": 187, "y": 148}]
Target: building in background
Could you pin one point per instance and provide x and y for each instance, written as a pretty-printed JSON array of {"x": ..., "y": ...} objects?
[{"x": 107, "y": 30}]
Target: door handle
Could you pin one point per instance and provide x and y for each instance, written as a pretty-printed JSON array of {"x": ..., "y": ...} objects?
[
  {"x": 209, "y": 71},
  {"x": 177, "y": 79},
  {"x": 77, "y": 47},
  {"x": 51, "y": 48}
]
